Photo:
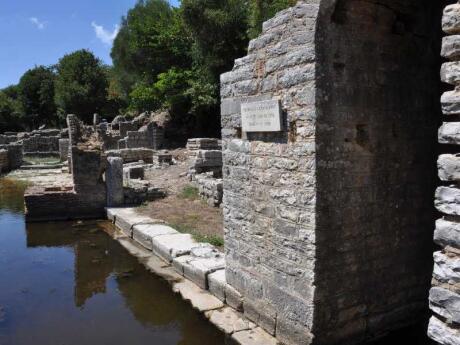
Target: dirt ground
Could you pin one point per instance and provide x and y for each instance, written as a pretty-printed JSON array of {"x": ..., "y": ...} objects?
[{"x": 182, "y": 208}]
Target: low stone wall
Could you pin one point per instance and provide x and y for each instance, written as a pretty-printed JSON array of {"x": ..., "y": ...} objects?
[
  {"x": 210, "y": 188},
  {"x": 204, "y": 144},
  {"x": 15, "y": 155},
  {"x": 202, "y": 161},
  {"x": 45, "y": 204},
  {"x": 64, "y": 149},
  {"x": 132, "y": 155},
  {"x": 4, "y": 163},
  {"x": 39, "y": 143}
]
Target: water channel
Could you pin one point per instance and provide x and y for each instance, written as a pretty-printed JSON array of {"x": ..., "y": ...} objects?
[{"x": 70, "y": 283}]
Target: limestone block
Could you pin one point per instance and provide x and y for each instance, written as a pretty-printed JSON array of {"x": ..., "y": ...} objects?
[
  {"x": 114, "y": 182},
  {"x": 145, "y": 233},
  {"x": 256, "y": 336},
  {"x": 171, "y": 246},
  {"x": 229, "y": 321},
  {"x": 443, "y": 334},
  {"x": 449, "y": 133},
  {"x": 233, "y": 298},
  {"x": 447, "y": 233},
  {"x": 260, "y": 313},
  {"x": 134, "y": 249},
  {"x": 446, "y": 269},
  {"x": 160, "y": 268},
  {"x": 199, "y": 298},
  {"x": 451, "y": 47},
  {"x": 445, "y": 303},
  {"x": 447, "y": 200},
  {"x": 126, "y": 218},
  {"x": 450, "y": 103},
  {"x": 450, "y": 73},
  {"x": 449, "y": 167},
  {"x": 217, "y": 284},
  {"x": 198, "y": 269},
  {"x": 451, "y": 19},
  {"x": 289, "y": 332}
]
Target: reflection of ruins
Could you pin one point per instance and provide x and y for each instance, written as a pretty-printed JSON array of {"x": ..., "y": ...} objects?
[{"x": 98, "y": 258}]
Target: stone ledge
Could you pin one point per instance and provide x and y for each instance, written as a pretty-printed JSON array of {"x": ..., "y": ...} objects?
[
  {"x": 447, "y": 200},
  {"x": 443, "y": 334},
  {"x": 451, "y": 19}
]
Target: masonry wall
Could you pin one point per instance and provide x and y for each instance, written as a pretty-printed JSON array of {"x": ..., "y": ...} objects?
[
  {"x": 328, "y": 223},
  {"x": 445, "y": 294}
]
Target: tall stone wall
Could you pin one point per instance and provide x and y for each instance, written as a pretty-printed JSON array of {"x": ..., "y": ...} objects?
[
  {"x": 328, "y": 222},
  {"x": 444, "y": 326}
]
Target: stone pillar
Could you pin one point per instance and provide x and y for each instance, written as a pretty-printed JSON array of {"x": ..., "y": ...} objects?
[
  {"x": 114, "y": 182},
  {"x": 64, "y": 149},
  {"x": 96, "y": 120},
  {"x": 328, "y": 213},
  {"x": 444, "y": 326}
]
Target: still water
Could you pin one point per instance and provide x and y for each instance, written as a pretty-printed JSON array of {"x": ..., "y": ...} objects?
[{"x": 72, "y": 284}]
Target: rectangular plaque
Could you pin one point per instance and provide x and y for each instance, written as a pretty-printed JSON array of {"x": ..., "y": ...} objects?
[{"x": 264, "y": 116}]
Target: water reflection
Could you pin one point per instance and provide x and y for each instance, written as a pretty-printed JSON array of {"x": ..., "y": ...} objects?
[{"x": 71, "y": 283}]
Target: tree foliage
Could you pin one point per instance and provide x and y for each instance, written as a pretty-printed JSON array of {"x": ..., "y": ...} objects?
[
  {"x": 81, "y": 85},
  {"x": 36, "y": 96},
  {"x": 262, "y": 10}
]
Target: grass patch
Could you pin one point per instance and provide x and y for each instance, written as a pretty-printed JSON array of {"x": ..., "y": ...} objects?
[
  {"x": 189, "y": 192},
  {"x": 215, "y": 240}
]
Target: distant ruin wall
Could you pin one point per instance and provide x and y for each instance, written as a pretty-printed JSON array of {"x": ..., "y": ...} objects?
[
  {"x": 444, "y": 326},
  {"x": 328, "y": 222},
  {"x": 4, "y": 164},
  {"x": 38, "y": 143}
]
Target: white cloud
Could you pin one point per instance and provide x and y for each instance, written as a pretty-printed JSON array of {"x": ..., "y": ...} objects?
[
  {"x": 40, "y": 25},
  {"x": 104, "y": 35}
]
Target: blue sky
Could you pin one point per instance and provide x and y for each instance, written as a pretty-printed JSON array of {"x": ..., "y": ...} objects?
[{"x": 39, "y": 32}]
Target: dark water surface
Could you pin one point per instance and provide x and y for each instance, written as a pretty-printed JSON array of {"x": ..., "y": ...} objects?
[{"x": 72, "y": 284}]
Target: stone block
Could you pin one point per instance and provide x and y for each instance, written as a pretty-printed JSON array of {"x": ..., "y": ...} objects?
[
  {"x": 260, "y": 313},
  {"x": 449, "y": 167},
  {"x": 449, "y": 133},
  {"x": 446, "y": 268},
  {"x": 199, "y": 298},
  {"x": 445, "y": 303},
  {"x": 198, "y": 269},
  {"x": 217, "y": 284},
  {"x": 447, "y": 200},
  {"x": 447, "y": 233},
  {"x": 157, "y": 266},
  {"x": 450, "y": 103},
  {"x": 126, "y": 218},
  {"x": 229, "y": 321},
  {"x": 451, "y": 19},
  {"x": 256, "y": 336},
  {"x": 145, "y": 233},
  {"x": 171, "y": 246},
  {"x": 450, "y": 72},
  {"x": 451, "y": 47},
  {"x": 442, "y": 333},
  {"x": 233, "y": 298},
  {"x": 290, "y": 332}
]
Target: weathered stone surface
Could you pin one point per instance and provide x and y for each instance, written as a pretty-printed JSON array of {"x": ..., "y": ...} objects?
[
  {"x": 162, "y": 269},
  {"x": 447, "y": 200},
  {"x": 114, "y": 182},
  {"x": 447, "y": 233},
  {"x": 256, "y": 336},
  {"x": 450, "y": 102},
  {"x": 451, "y": 19},
  {"x": 134, "y": 249},
  {"x": 446, "y": 268},
  {"x": 233, "y": 298},
  {"x": 200, "y": 299},
  {"x": 145, "y": 233},
  {"x": 126, "y": 218},
  {"x": 217, "y": 284},
  {"x": 451, "y": 47},
  {"x": 261, "y": 313},
  {"x": 229, "y": 321},
  {"x": 449, "y": 167},
  {"x": 171, "y": 246},
  {"x": 197, "y": 269},
  {"x": 450, "y": 72},
  {"x": 449, "y": 133},
  {"x": 445, "y": 303},
  {"x": 443, "y": 334}
]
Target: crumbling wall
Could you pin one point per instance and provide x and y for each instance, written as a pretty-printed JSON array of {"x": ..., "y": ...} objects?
[
  {"x": 64, "y": 145},
  {"x": 209, "y": 188},
  {"x": 41, "y": 144},
  {"x": 328, "y": 222},
  {"x": 445, "y": 294},
  {"x": 132, "y": 155}
]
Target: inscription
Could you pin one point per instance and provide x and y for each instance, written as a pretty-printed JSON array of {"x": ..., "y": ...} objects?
[{"x": 264, "y": 116}]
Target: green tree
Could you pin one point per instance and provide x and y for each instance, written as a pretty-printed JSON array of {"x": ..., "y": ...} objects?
[
  {"x": 81, "y": 85},
  {"x": 10, "y": 116},
  {"x": 262, "y": 10},
  {"x": 152, "y": 39},
  {"x": 36, "y": 96}
]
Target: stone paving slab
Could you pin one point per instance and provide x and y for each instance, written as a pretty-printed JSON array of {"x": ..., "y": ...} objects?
[
  {"x": 229, "y": 321},
  {"x": 145, "y": 233},
  {"x": 199, "y": 298},
  {"x": 126, "y": 218},
  {"x": 217, "y": 283},
  {"x": 256, "y": 336},
  {"x": 162, "y": 269},
  {"x": 197, "y": 269},
  {"x": 169, "y": 247}
]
